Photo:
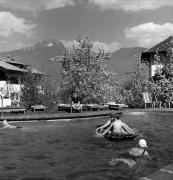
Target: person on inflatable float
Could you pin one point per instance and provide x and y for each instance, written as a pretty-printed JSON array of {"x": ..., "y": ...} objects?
[
  {"x": 115, "y": 125},
  {"x": 131, "y": 157},
  {"x": 119, "y": 127}
]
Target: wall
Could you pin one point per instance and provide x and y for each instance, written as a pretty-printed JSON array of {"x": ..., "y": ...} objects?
[{"x": 5, "y": 101}]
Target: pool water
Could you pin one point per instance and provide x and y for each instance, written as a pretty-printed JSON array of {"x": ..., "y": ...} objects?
[{"x": 69, "y": 150}]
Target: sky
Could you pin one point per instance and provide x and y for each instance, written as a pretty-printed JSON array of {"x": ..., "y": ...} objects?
[{"x": 111, "y": 24}]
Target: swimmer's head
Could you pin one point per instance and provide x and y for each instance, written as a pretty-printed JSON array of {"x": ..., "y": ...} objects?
[
  {"x": 115, "y": 116},
  {"x": 142, "y": 143}
]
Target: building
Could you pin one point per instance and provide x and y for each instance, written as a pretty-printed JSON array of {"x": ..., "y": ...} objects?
[
  {"x": 148, "y": 56},
  {"x": 11, "y": 77}
]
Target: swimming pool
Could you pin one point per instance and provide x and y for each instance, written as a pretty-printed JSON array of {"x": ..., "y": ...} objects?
[{"x": 69, "y": 150}]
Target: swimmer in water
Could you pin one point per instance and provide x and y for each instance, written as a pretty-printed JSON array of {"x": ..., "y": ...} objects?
[
  {"x": 7, "y": 125},
  {"x": 130, "y": 158}
]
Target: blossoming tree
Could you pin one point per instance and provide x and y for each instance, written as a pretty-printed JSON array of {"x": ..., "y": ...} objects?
[{"x": 85, "y": 78}]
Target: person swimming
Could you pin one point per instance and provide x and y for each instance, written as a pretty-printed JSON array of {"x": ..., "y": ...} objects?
[
  {"x": 5, "y": 124},
  {"x": 131, "y": 157}
]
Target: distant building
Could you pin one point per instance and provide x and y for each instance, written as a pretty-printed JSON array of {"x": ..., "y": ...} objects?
[
  {"x": 11, "y": 78},
  {"x": 161, "y": 48}
]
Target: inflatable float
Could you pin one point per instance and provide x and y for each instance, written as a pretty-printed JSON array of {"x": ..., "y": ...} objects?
[{"x": 113, "y": 136}]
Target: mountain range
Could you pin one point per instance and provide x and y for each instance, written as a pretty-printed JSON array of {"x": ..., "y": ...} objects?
[{"x": 38, "y": 56}]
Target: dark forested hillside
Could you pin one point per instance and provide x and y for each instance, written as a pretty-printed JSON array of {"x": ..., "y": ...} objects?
[{"x": 125, "y": 59}]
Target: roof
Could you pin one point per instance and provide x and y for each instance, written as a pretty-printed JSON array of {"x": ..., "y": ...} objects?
[
  {"x": 159, "y": 47},
  {"x": 11, "y": 67},
  {"x": 14, "y": 62},
  {"x": 17, "y": 66}
]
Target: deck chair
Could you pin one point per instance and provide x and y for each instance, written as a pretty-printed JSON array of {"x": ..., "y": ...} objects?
[{"x": 147, "y": 99}]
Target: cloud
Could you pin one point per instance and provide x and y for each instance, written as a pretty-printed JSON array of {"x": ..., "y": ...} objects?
[
  {"x": 35, "y": 5},
  {"x": 96, "y": 46},
  {"x": 69, "y": 44},
  {"x": 131, "y": 5},
  {"x": 127, "y": 5},
  {"x": 107, "y": 47},
  {"x": 149, "y": 33},
  {"x": 10, "y": 24}
]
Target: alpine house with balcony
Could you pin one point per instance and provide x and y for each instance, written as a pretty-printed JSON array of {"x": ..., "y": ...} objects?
[{"x": 11, "y": 78}]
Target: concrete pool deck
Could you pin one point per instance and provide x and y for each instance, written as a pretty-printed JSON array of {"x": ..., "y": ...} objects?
[
  {"x": 65, "y": 115},
  {"x": 52, "y": 116},
  {"x": 165, "y": 173}
]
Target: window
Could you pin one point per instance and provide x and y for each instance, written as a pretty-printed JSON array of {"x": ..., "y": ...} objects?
[
  {"x": 13, "y": 80},
  {"x": 2, "y": 76}
]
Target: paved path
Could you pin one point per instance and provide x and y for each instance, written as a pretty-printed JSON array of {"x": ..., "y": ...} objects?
[{"x": 165, "y": 173}]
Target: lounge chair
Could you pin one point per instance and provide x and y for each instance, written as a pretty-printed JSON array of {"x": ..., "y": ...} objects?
[
  {"x": 38, "y": 108},
  {"x": 148, "y": 99},
  {"x": 116, "y": 106}
]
